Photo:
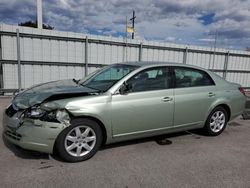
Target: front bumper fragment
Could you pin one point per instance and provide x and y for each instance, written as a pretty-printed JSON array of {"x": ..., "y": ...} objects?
[{"x": 32, "y": 134}]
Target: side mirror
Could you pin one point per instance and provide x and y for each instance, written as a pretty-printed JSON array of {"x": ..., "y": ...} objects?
[{"x": 125, "y": 88}]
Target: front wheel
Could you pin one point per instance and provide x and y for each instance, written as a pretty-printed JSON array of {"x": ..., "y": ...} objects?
[
  {"x": 80, "y": 141},
  {"x": 216, "y": 121}
]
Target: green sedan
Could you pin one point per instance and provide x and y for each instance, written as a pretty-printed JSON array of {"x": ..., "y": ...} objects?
[{"x": 117, "y": 103}]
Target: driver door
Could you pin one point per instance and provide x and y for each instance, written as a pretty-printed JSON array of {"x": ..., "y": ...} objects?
[{"x": 147, "y": 107}]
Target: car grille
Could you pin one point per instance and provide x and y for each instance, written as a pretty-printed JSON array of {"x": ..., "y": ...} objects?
[
  {"x": 13, "y": 135},
  {"x": 10, "y": 111}
]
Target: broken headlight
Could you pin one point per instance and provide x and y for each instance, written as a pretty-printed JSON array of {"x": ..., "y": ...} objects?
[
  {"x": 58, "y": 116},
  {"x": 35, "y": 112}
]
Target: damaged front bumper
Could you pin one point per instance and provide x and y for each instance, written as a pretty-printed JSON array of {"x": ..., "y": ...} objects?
[{"x": 31, "y": 134}]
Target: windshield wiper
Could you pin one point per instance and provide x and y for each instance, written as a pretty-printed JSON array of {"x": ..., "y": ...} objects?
[{"x": 76, "y": 81}]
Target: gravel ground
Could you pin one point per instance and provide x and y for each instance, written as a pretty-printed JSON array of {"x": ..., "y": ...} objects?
[{"x": 188, "y": 160}]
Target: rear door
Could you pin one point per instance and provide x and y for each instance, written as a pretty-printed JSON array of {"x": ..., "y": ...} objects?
[{"x": 194, "y": 92}]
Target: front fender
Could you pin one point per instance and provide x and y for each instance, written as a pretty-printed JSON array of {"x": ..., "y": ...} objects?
[{"x": 99, "y": 110}]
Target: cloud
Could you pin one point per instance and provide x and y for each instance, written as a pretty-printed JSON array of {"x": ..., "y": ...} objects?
[
  {"x": 188, "y": 21},
  {"x": 207, "y": 40},
  {"x": 170, "y": 39},
  {"x": 15, "y": 11}
]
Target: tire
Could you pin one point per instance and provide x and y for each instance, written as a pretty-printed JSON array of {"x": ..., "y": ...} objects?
[
  {"x": 216, "y": 122},
  {"x": 83, "y": 138}
]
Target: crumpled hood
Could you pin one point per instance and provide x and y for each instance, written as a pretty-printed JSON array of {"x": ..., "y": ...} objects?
[{"x": 51, "y": 90}]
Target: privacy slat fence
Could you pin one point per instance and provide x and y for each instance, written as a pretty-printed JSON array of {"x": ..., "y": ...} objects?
[{"x": 52, "y": 55}]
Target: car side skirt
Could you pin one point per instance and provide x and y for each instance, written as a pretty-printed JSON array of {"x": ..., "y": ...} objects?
[{"x": 154, "y": 132}]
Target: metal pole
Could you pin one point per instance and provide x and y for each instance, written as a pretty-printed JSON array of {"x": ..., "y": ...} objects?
[
  {"x": 140, "y": 52},
  {"x": 86, "y": 56},
  {"x": 215, "y": 41},
  {"x": 133, "y": 24},
  {"x": 209, "y": 62},
  {"x": 18, "y": 60},
  {"x": 185, "y": 56},
  {"x": 39, "y": 14},
  {"x": 1, "y": 68},
  {"x": 126, "y": 41},
  {"x": 225, "y": 65},
  {"x": 1, "y": 78},
  {"x": 126, "y": 29}
]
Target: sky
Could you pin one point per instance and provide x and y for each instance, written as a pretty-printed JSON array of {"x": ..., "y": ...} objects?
[{"x": 190, "y": 22}]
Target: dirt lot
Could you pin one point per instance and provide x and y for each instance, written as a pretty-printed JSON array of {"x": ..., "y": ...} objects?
[{"x": 189, "y": 160}]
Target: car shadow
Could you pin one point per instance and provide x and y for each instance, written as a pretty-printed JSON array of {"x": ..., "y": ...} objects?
[{"x": 161, "y": 140}]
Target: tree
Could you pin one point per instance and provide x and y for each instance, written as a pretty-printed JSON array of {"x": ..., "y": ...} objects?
[{"x": 34, "y": 24}]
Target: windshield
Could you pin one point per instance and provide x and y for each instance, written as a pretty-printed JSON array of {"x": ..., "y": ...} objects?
[{"x": 106, "y": 77}]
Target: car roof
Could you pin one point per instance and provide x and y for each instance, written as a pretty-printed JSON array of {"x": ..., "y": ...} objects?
[
  {"x": 159, "y": 63},
  {"x": 149, "y": 64}
]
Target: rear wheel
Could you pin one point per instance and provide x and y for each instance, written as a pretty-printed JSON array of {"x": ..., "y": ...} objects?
[
  {"x": 216, "y": 121},
  {"x": 80, "y": 141}
]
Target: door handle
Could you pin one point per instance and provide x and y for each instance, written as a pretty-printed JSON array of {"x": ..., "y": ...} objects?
[
  {"x": 167, "y": 99},
  {"x": 211, "y": 94}
]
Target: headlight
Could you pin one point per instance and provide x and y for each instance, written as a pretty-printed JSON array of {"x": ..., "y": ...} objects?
[{"x": 35, "y": 112}]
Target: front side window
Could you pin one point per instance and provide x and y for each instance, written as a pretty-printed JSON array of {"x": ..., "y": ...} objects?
[
  {"x": 150, "y": 79},
  {"x": 188, "y": 77},
  {"x": 105, "y": 78}
]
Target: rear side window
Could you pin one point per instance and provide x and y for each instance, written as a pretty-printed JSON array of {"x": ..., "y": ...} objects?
[{"x": 188, "y": 77}]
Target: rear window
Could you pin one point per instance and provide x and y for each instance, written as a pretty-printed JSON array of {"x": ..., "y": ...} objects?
[{"x": 188, "y": 77}]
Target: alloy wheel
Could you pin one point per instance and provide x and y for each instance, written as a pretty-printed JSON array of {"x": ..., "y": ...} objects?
[
  {"x": 80, "y": 141},
  {"x": 217, "y": 121}
]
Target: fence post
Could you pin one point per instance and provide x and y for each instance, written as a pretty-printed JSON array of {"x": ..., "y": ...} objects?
[
  {"x": 86, "y": 56},
  {"x": 140, "y": 52},
  {"x": 225, "y": 65},
  {"x": 185, "y": 56},
  {"x": 1, "y": 68},
  {"x": 1, "y": 78},
  {"x": 18, "y": 60}
]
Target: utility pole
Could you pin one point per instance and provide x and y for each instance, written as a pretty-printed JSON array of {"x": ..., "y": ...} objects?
[
  {"x": 133, "y": 24},
  {"x": 125, "y": 54}
]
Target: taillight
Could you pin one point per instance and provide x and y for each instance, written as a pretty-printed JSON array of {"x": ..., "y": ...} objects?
[{"x": 242, "y": 90}]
